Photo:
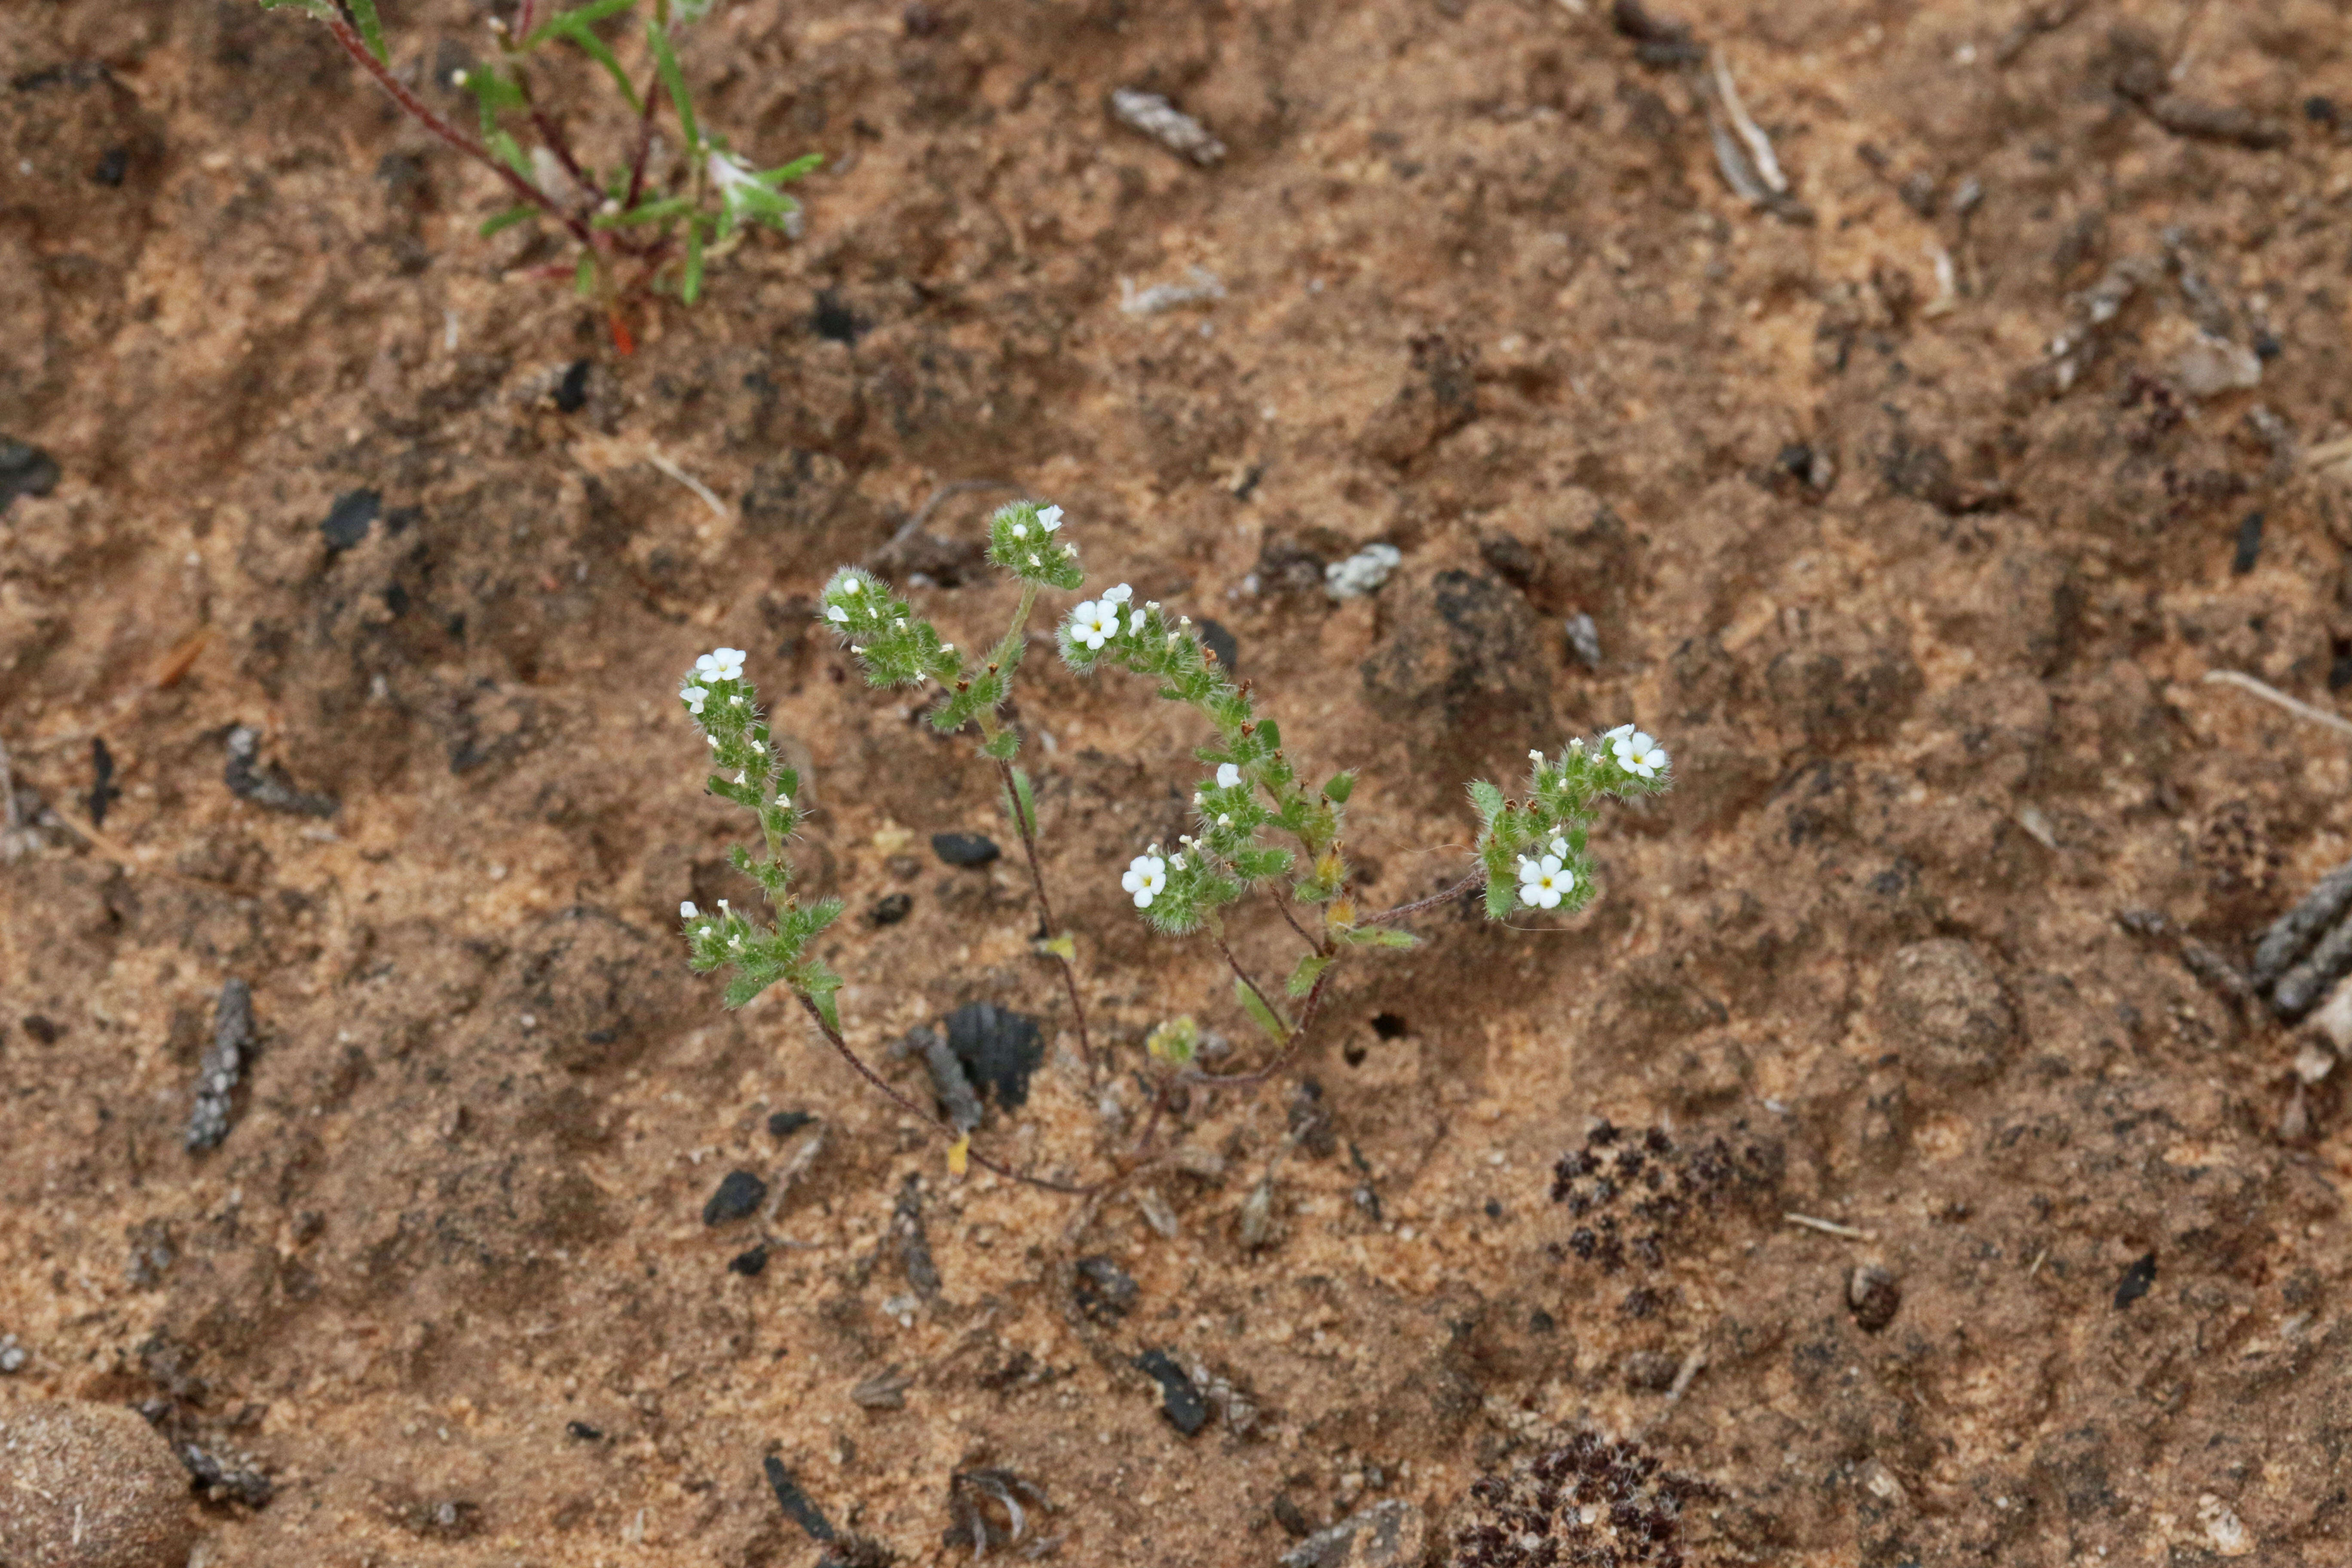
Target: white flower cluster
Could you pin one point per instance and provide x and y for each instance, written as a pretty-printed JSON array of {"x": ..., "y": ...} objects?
[
  {"x": 720, "y": 664},
  {"x": 1097, "y": 621},
  {"x": 1636, "y": 752},
  {"x": 1049, "y": 518},
  {"x": 1544, "y": 882}
]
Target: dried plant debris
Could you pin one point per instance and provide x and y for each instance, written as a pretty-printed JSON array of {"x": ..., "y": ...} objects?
[
  {"x": 959, "y": 1101},
  {"x": 796, "y": 1503},
  {"x": 223, "y": 1064},
  {"x": 268, "y": 786},
  {"x": 914, "y": 1245},
  {"x": 1105, "y": 1292},
  {"x": 990, "y": 1508},
  {"x": 222, "y": 1477},
  {"x": 2141, "y": 76},
  {"x": 1742, "y": 151},
  {"x": 1590, "y": 1503},
  {"x": 1634, "y": 1191},
  {"x": 886, "y": 1389},
  {"x": 1168, "y": 125},
  {"x": 2308, "y": 949},
  {"x": 1657, "y": 41},
  {"x": 1200, "y": 284}
]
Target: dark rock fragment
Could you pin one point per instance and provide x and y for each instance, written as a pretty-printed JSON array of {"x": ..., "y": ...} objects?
[
  {"x": 964, "y": 848},
  {"x": 572, "y": 391},
  {"x": 25, "y": 470},
  {"x": 889, "y": 909},
  {"x": 102, "y": 791},
  {"x": 749, "y": 1264},
  {"x": 1180, "y": 1400},
  {"x": 220, "y": 1480},
  {"x": 739, "y": 1197},
  {"x": 784, "y": 1123},
  {"x": 348, "y": 520},
  {"x": 2136, "y": 1281}
]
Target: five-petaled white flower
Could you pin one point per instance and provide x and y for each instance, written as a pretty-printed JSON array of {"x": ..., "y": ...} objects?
[
  {"x": 687, "y": 912},
  {"x": 1049, "y": 518},
  {"x": 1638, "y": 754},
  {"x": 1094, "y": 623},
  {"x": 1543, "y": 883},
  {"x": 1146, "y": 875},
  {"x": 695, "y": 696},
  {"x": 720, "y": 664},
  {"x": 1228, "y": 775}
]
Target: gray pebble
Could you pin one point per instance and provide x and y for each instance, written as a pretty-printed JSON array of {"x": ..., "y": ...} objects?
[{"x": 1584, "y": 640}]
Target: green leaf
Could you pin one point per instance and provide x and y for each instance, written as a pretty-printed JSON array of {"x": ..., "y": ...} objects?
[
  {"x": 673, "y": 82},
  {"x": 1499, "y": 894},
  {"x": 583, "y": 278},
  {"x": 1003, "y": 745},
  {"x": 596, "y": 49},
  {"x": 1310, "y": 969},
  {"x": 510, "y": 151},
  {"x": 690, "y": 290},
  {"x": 1378, "y": 936},
  {"x": 521, "y": 212},
  {"x": 1341, "y": 786},
  {"x": 793, "y": 171},
  {"x": 1487, "y": 799},
  {"x": 645, "y": 212},
  {"x": 324, "y": 10},
  {"x": 595, "y": 11},
  {"x": 371, "y": 29},
  {"x": 1256, "y": 1008}
]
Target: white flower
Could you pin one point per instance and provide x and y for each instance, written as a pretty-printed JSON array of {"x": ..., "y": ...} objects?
[
  {"x": 1225, "y": 819},
  {"x": 733, "y": 179},
  {"x": 1640, "y": 755},
  {"x": 1134, "y": 623},
  {"x": 720, "y": 664},
  {"x": 687, "y": 912},
  {"x": 1049, "y": 518},
  {"x": 1118, "y": 595},
  {"x": 783, "y": 801},
  {"x": 1559, "y": 847},
  {"x": 1228, "y": 775},
  {"x": 1543, "y": 883},
  {"x": 1536, "y": 757},
  {"x": 1618, "y": 733},
  {"x": 1094, "y": 623},
  {"x": 1020, "y": 530},
  {"x": 837, "y": 615},
  {"x": 1146, "y": 875},
  {"x": 852, "y": 585},
  {"x": 694, "y": 696}
]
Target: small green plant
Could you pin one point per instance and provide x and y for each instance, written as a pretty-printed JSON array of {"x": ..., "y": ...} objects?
[
  {"x": 639, "y": 228},
  {"x": 1263, "y": 827}
]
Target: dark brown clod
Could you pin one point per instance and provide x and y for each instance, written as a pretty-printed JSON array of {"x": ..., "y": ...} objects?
[{"x": 1874, "y": 1296}]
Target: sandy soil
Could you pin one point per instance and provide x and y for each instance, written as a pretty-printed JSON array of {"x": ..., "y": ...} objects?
[{"x": 1920, "y": 598}]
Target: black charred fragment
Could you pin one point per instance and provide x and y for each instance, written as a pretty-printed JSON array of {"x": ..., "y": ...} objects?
[
  {"x": 796, "y": 1503},
  {"x": 102, "y": 791},
  {"x": 1180, "y": 1400},
  {"x": 268, "y": 787},
  {"x": 2136, "y": 1281}
]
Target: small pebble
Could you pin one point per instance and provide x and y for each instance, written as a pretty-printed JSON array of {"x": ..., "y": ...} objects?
[
  {"x": 572, "y": 391},
  {"x": 2136, "y": 1281},
  {"x": 739, "y": 1195},
  {"x": 1584, "y": 640},
  {"x": 12, "y": 1355},
  {"x": 784, "y": 1123},
  {"x": 580, "y": 1431},
  {"x": 964, "y": 848},
  {"x": 750, "y": 1264},
  {"x": 1361, "y": 573},
  {"x": 889, "y": 909}
]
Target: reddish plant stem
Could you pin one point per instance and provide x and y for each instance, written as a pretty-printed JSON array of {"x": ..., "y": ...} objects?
[
  {"x": 1045, "y": 914},
  {"x": 526, "y": 20},
  {"x": 1282, "y": 902},
  {"x": 1283, "y": 1057},
  {"x": 356, "y": 47},
  {"x": 832, "y": 1037},
  {"x": 1243, "y": 975},
  {"x": 1475, "y": 880},
  {"x": 644, "y": 141}
]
